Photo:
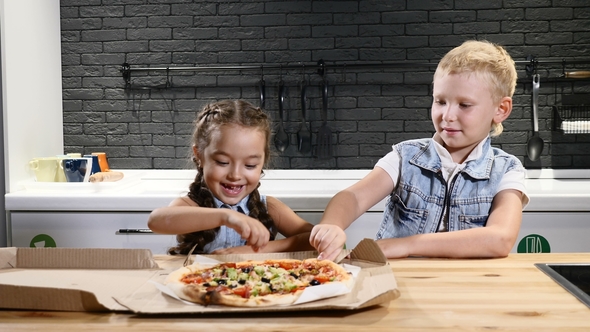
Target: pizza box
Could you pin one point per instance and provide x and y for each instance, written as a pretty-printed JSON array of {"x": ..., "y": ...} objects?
[
  {"x": 71, "y": 279},
  {"x": 90, "y": 279}
]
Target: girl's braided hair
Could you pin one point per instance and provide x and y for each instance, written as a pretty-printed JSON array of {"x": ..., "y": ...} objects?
[{"x": 211, "y": 118}]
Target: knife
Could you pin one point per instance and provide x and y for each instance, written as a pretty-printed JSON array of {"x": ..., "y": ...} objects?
[{"x": 577, "y": 74}]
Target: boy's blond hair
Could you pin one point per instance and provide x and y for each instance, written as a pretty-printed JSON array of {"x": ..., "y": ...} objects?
[{"x": 487, "y": 60}]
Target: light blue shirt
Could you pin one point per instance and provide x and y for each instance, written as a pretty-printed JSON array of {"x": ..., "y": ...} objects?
[{"x": 228, "y": 237}]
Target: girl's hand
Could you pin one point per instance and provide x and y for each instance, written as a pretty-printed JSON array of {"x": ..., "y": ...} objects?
[
  {"x": 235, "y": 250},
  {"x": 250, "y": 229},
  {"x": 328, "y": 240}
]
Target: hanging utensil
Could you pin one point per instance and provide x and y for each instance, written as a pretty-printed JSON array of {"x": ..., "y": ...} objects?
[
  {"x": 577, "y": 74},
  {"x": 262, "y": 88},
  {"x": 324, "y": 149},
  {"x": 535, "y": 143},
  {"x": 304, "y": 134},
  {"x": 281, "y": 137}
]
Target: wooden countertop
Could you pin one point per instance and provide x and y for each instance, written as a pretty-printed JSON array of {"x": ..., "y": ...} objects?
[{"x": 436, "y": 294}]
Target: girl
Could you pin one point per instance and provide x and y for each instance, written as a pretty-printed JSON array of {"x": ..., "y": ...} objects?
[
  {"x": 223, "y": 211},
  {"x": 452, "y": 195}
]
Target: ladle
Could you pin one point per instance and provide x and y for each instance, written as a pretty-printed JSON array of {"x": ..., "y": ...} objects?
[
  {"x": 535, "y": 143},
  {"x": 281, "y": 137}
]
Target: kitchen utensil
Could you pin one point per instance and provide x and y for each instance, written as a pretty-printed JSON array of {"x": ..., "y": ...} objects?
[
  {"x": 324, "y": 149},
  {"x": 535, "y": 143},
  {"x": 304, "y": 134},
  {"x": 577, "y": 74},
  {"x": 262, "y": 88},
  {"x": 281, "y": 137}
]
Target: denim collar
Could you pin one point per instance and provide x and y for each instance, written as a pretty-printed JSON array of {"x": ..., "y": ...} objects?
[
  {"x": 242, "y": 205},
  {"x": 428, "y": 158}
]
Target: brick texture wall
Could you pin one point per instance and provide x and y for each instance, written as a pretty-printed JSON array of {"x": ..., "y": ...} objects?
[{"x": 147, "y": 123}]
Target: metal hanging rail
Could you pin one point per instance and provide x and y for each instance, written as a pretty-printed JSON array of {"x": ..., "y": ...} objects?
[
  {"x": 531, "y": 65},
  {"x": 320, "y": 66}
]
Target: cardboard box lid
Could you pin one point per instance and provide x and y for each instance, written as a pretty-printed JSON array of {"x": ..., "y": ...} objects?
[
  {"x": 71, "y": 279},
  {"x": 76, "y": 258},
  {"x": 375, "y": 284}
]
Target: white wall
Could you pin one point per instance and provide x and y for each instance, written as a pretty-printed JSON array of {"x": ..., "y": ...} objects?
[{"x": 31, "y": 84}]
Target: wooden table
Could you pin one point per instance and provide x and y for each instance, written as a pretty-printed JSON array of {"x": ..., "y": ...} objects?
[{"x": 436, "y": 294}]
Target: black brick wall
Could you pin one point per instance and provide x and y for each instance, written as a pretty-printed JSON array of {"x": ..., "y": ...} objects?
[{"x": 148, "y": 124}]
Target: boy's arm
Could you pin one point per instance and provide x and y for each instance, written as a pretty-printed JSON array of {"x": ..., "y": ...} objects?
[
  {"x": 350, "y": 203},
  {"x": 294, "y": 228},
  {"x": 496, "y": 239},
  {"x": 328, "y": 236}
]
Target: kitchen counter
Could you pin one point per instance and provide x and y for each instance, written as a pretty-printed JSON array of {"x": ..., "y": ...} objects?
[
  {"x": 114, "y": 214},
  {"x": 302, "y": 190},
  {"x": 436, "y": 294}
]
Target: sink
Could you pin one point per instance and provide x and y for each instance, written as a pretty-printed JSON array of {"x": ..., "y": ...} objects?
[{"x": 575, "y": 278}]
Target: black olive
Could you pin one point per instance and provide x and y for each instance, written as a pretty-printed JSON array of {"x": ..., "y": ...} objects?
[
  {"x": 265, "y": 280},
  {"x": 314, "y": 282},
  {"x": 294, "y": 275},
  {"x": 206, "y": 284},
  {"x": 222, "y": 282},
  {"x": 242, "y": 282},
  {"x": 246, "y": 270}
]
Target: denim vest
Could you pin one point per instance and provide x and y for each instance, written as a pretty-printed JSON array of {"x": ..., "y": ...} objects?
[
  {"x": 418, "y": 203},
  {"x": 227, "y": 237}
]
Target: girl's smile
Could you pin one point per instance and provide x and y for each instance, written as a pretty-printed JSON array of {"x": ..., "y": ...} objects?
[{"x": 232, "y": 190}]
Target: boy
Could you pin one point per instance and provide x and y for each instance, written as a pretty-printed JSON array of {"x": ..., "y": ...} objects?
[{"x": 452, "y": 195}]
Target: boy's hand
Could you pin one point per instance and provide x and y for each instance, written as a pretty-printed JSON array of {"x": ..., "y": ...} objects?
[
  {"x": 250, "y": 229},
  {"x": 328, "y": 240}
]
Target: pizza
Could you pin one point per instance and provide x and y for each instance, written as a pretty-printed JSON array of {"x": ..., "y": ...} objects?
[{"x": 254, "y": 283}]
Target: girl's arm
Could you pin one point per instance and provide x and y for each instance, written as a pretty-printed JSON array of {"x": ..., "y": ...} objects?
[
  {"x": 328, "y": 236},
  {"x": 496, "y": 239},
  {"x": 185, "y": 216},
  {"x": 295, "y": 230}
]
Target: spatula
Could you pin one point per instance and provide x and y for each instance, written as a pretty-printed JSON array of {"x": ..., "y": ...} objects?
[
  {"x": 324, "y": 149},
  {"x": 304, "y": 134}
]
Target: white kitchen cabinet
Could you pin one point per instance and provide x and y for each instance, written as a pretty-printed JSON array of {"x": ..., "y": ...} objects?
[
  {"x": 86, "y": 230},
  {"x": 540, "y": 231},
  {"x": 562, "y": 231},
  {"x": 102, "y": 230}
]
